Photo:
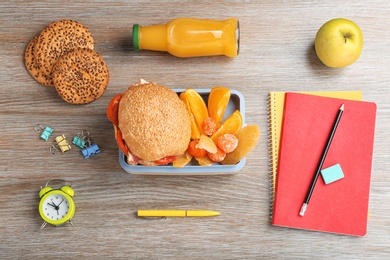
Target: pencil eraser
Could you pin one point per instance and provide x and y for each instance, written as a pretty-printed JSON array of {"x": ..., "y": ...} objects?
[{"x": 332, "y": 173}]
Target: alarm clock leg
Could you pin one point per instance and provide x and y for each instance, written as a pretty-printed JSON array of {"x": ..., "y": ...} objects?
[{"x": 43, "y": 224}]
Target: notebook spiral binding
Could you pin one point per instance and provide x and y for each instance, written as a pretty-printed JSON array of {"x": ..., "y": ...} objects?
[{"x": 273, "y": 148}]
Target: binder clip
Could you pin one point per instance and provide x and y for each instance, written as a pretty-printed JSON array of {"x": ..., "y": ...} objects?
[
  {"x": 79, "y": 141},
  {"x": 60, "y": 143},
  {"x": 83, "y": 141},
  {"x": 90, "y": 151},
  {"x": 45, "y": 131}
]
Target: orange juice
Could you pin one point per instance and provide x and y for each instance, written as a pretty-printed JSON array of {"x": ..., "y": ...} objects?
[{"x": 186, "y": 37}]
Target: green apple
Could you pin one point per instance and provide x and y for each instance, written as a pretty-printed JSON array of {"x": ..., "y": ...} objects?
[{"x": 338, "y": 43}]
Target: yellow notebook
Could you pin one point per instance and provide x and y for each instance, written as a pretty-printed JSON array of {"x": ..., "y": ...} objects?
[{"x": 276, "y": 107}]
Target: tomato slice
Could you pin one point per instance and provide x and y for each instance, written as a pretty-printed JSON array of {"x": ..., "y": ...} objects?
[
  {"x": 112, "y": 115},
  {"x": 112, "y": 109},
  {"x": 119, "y": 140},
  {"x": 165, "y": 160}
]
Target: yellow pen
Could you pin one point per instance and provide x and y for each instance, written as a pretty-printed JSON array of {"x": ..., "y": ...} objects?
[{"x": 177, "y": 213}]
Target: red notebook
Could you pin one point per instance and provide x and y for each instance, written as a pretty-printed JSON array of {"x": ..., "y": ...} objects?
[{"x": 338, "y": 207}]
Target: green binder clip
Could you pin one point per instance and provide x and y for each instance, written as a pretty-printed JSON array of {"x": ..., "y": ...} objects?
[
  {"x": 84, "y": 141},
  {"x": 81, "y": 139},
  {"x": 45, "y": 131},
  {"x": 78, "y": 141}
]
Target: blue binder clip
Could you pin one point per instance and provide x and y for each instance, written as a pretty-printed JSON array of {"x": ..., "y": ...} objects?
[
  {"x": 83, "y": 141},
  {"x": 90, "y": 151},
  {"x": 45, "y": 132}
]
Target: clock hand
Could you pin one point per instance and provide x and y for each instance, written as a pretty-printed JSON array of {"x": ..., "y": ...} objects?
[
  {"x": 60, "y": 203},
  {"x": 53, "y": 205},
  {"x": 58, "y": 207}
]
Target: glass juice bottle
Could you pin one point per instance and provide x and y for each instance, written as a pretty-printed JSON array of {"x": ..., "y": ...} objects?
[{"x": 186, "y": 37}]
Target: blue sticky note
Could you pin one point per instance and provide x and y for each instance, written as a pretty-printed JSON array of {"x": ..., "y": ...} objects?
[{"x": 332, "y": 173}]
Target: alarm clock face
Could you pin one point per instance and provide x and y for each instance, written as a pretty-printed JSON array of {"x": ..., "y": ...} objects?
[{"x": 55, "y": 207}]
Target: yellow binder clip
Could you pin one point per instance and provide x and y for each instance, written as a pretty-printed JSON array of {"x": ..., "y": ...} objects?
[{"x": 61, "y": 143}]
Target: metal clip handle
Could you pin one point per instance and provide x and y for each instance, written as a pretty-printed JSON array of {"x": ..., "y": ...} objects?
[{"x": 57, "y": 180}]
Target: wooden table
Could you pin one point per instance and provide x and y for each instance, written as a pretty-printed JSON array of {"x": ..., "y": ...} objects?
[{"x": 276, "y": 54}]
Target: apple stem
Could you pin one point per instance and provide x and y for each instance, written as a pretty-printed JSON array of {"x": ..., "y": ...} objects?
[{"x": 347, "y": 36}]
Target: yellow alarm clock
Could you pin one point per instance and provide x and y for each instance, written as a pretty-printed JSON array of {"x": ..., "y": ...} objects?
[{"x": 56, "y": 206}]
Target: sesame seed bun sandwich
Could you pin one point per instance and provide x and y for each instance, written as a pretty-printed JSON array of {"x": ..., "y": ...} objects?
[{"x": 152, "y": 125}]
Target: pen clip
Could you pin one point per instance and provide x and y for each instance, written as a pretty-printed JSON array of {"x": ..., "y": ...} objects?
[{"x": 147, "y": 218}]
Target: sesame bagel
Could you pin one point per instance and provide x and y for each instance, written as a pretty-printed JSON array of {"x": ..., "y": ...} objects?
[
  {"x": 80, "y": 76},
  {"x": 32, "y": 66},
  {"x": 154, "y": 122},
  {"x": 56, "y": 39}
]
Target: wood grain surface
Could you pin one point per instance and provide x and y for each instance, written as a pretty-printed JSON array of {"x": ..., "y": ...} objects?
[{"x": 276, "y": 53}]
